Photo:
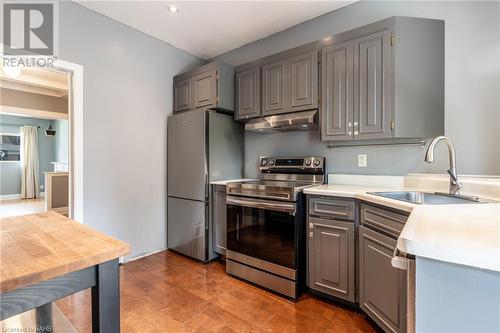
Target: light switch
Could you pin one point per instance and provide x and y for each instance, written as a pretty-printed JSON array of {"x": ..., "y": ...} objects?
[{"x": 362, "y": 160}]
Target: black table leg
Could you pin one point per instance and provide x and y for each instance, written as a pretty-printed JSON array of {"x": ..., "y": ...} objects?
[
  {"x": 43, "y": 315},
  {"x": 106, "y": 298}
]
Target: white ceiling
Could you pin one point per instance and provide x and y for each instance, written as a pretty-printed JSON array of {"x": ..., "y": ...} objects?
[{"x": 209, "y": 28}]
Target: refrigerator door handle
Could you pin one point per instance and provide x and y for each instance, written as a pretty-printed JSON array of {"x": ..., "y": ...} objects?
[{"x": 207, "y": 187}]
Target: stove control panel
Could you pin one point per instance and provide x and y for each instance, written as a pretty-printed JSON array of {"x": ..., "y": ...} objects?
[{"x": 302, "y": 163}]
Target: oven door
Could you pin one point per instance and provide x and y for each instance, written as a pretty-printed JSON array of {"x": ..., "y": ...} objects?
[{"x": 263, "y": 229}]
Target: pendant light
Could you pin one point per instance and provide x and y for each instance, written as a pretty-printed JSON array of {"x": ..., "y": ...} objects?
[{"x": 50, "y": 131}]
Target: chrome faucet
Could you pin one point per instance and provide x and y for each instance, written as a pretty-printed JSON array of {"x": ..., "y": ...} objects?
[{"x": 455, "y": 185}]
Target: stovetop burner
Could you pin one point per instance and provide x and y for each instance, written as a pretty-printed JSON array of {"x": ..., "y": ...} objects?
[{"x": 281, "y": 178}]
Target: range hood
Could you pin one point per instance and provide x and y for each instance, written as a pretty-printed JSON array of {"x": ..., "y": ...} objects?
[{"x": 295, "y": 121}]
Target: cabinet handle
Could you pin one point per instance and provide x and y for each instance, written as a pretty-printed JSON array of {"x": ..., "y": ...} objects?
[
  {"x": 311, "y": 225},
  {"x": 311, "y": 235},
  {"x": 350, "y": 132},
  {"x": 398, "y": 261},
  {"x": 356, "y": 124},
  {"x": 356, "y": 132},
  {"x": 349, "y": 125}
]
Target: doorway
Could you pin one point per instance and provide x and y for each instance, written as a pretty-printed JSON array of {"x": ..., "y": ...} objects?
[{"x": 42, "y": 106}]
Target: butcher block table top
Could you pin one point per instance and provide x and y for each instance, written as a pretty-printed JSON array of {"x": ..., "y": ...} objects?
[{"x": 42, "y": 246}]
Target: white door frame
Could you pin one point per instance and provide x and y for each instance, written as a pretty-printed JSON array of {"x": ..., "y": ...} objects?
[
  {"x": 75, "y": 100},
  {"x": 75, "y": 110}
]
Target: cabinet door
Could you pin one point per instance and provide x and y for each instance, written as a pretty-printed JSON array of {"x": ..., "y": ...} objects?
[
  {"x": 382, "y": 287},
  {"x": 274, "y": 88},
  {"x": 372, "y": 86},
  {"x": 337, "y": 92},
  {"x": 205, "y": 89},
  {"x": 331, "y": 258},
  {"x": 182, "y": 95},
  {"x": 304, "y": 82},
  {"x": 219, "y": 218},
  {"x": 248, "y": 94}
]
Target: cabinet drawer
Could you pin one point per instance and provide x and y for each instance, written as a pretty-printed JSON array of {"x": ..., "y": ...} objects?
[
  {"x": 329, "y": 207},
  {"x": 384, "y": 220}
]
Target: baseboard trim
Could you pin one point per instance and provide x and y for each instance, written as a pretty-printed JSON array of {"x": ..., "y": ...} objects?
[
  {"x": 16, "y": 196},
  {"x": 10, "y": 196},
  {"x": 124, "y": 260}
]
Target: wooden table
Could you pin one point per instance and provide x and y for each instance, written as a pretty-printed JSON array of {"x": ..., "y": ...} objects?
[{"x": 46, "y": 256}]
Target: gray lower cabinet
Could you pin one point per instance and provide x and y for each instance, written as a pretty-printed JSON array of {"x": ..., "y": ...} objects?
[
  {"x": 219, "y": 219},
  {"x": 248, "y": 94},
  {"x": 331, "y": 257},
  {"x": 382, "y": 288}
]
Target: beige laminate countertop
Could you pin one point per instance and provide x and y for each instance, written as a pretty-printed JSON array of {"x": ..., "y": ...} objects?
[
  {"x": 466, "y": 234},
  {"x": 41, "y": 246}
]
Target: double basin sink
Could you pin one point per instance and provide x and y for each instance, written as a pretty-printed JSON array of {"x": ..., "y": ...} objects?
[{"x": 428, "y": 198}]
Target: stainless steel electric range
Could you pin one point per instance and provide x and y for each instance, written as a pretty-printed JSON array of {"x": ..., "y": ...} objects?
[{"x": 266, "y": 231}]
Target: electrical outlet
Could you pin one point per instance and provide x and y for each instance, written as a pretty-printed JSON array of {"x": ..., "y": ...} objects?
[{"x": 362, "y": 160}]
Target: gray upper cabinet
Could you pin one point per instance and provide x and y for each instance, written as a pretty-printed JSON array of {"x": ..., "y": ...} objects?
[
  {"x": 208, "y": 86},
  {"x": 248, "y": 94},
  {"x": 205, "y": 89},
  {"x": 372, "y": 86},
  {"x": 304, "y": 81},
  {"x": 331, "y": 257},
  {"x": 377, "y": 83},
  {"x": 289, "y": 82},
  {"x": 275, "y": 88},
  {"x": 182, "y": 95},
  {"x": 337, "y": 92},
  {"x": 376, "y": 79}
]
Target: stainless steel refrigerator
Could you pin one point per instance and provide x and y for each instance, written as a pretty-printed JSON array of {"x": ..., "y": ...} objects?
[{"x": 202, "y": 146}]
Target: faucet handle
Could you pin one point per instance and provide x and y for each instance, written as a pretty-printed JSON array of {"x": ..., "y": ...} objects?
[
  {"x": 452, "y": 175},
  {"x": 455, "y": 185}
]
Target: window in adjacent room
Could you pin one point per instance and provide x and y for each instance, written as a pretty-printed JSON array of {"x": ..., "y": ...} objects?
[{"x": 10, "y": 145}]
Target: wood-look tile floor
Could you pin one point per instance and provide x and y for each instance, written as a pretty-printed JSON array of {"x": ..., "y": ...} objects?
[{"x": 167, "y": 292}]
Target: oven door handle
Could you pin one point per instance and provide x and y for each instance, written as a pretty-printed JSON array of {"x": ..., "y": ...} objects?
[{"x": 261, "y": 204}]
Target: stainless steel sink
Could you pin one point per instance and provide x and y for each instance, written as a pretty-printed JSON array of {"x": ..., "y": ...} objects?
[{"x": 428, "y": 198}]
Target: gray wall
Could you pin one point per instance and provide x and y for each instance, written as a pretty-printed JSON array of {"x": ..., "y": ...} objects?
[
  {"x": 10, "y": 172},
  {"x": 127, "y": 98},
  {"x": 472, "y": 83}
]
